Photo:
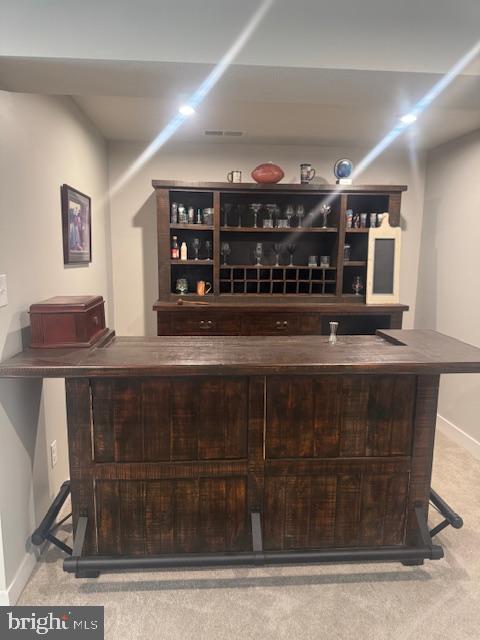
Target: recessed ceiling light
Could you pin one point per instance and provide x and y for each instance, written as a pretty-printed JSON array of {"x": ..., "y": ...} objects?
[
  {"x": 409, "y": 118},
  {"x": 186, "y": 110}
]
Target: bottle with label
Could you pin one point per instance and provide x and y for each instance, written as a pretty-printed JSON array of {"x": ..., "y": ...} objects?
[
  {"x": 174, "y": 213},
  {"x": 191, "y": 215},
  {"x": 175, "y": 251},
  {"x": 183, "y": 251}
]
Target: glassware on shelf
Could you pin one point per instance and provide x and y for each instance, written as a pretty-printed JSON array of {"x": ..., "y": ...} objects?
[
  {"x": 289, "y": 212},
  {"x": 196, "y": 247},
  {"x": 277, "y": 250},
  {"x": 300, "y": 215},
  {"x": 291, "y": 250},
  {"x": 240, "y": 212},
  {"x": 208, "y": 249},
  {"x": 313, "y": 261},
  {"x": 325, "y": 261},
  {"x": 258, "y": 253},
  {"x": 324, "y": 212},
  {"x": 357, "y": 285},
  {"x": 269, "y": 222},
  {"x": 181, "y": 286},
  {"x": 208, "y": 216},
  {"x": 255, "y": 208},
  {"x": 182, "y": 214},
  {"x": 225, "y": 251},
  {"x": 346, "y": 252},
  {"x": 227, "y": 209}
]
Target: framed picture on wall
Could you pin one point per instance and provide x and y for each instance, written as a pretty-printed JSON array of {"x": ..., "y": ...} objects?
[{"x": 76, "y": 226}]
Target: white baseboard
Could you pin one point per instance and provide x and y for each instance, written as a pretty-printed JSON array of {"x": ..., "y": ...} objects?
[
  {"x": 457, "y": 435},
  {"x": 10, "y": 596}
]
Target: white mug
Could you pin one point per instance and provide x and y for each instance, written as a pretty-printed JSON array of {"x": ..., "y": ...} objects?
[{"x": 234, "y": 176}]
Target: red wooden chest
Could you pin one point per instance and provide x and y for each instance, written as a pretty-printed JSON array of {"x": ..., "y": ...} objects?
[{"x": 67, "y": 321}]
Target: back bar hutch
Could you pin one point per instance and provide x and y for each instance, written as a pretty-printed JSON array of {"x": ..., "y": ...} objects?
[{"x": 283, "y": 295}]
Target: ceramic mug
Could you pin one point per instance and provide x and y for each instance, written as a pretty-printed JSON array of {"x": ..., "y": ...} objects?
[
  {"x": 234, "y": 176},
  {"x": 203, "y": 288},
  {"x": 307, "y": 173}
]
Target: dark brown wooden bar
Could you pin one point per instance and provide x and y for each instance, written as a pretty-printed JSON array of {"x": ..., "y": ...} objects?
[{"x": 175, "y": 442}]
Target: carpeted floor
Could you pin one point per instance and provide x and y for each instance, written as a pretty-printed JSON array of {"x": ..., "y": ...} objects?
[{"x": 363, "y": 602}]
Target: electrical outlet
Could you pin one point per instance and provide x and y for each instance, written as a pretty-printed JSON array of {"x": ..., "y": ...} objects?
[
  {"x": 53, "y": 453},
  {"x": 3, "y": 291}
]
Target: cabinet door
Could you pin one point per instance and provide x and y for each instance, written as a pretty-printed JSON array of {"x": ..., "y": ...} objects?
[{"x": 334, "y": 509}]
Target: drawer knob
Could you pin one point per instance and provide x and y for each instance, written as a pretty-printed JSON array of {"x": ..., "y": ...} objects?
[
  {"x": 281, "y": 325},
  {"x": 206, "y": 324}
]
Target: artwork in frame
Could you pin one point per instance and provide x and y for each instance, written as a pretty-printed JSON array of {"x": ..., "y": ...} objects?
[{"x": 76, "y": 226}]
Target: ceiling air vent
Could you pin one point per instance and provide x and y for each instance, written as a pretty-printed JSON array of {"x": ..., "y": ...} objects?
[{"x": 219, "y": 132}]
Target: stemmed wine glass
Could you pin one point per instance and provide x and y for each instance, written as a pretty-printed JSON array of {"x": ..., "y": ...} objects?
[
  {"x": 357, "y": 285},
  {"x": 196, "y": 247},
  {"x": 291, "y": 250},
  {"x": 289, "y": 213},
  {"x": 277, "y": 249},
  {"x": 208, "y": 249},
  {"x": 240, "y": 210},
  {"x": 324, "y": 211},
  {"x": 227, "y": 208},
  {"x": 255, "y": 208},
  {"x": 225, "y": 251},
  {"x": 258, "y": 253},
  {"x": 300, "y": 214}
]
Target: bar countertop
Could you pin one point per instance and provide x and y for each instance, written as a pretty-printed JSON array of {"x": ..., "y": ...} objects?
[{"x": 392, "y": 351}]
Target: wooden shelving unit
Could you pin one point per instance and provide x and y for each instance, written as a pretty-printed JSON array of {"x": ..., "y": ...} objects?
[{"x": 234, "y": 224}]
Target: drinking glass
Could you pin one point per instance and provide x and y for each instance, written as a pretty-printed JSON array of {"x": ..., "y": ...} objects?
[
  {"x": 357, "y": 285},
  {"x": 324, "y": 211},
  {"x": 258, "y": 253},
  {"x": 270, "y": 213},
  {"x": 300, "y": 214},
  {"x": 208, "y": 249},
  {"x": 291, "y": 250},
  {"x": 241, "y": 212},
  {"x": 289, "y": 213},
  {"x": 196, "y": 247},
  {"x": 277, "y": 249},
  {"x": 255, "y": 208},
  {"x": 227, "y": 208},
  {"x": 225, "y": 251}
]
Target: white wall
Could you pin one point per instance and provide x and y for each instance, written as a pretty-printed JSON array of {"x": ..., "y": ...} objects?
[
  {"x": 134, "y": 219},
  {"x": 447, "y": 298},
  {"x": 46, "y": 141}
]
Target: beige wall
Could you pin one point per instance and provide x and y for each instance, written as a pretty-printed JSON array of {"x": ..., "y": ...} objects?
[
  {"x": 46, "y": 141},
  {"x": 447, "y": 298},
  {"x": 133, "y": 210}
]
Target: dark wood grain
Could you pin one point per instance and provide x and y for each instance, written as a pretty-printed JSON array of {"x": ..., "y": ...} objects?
[
  {"x": 392, "y": 352},
  {"x": 179, "y": 185}
]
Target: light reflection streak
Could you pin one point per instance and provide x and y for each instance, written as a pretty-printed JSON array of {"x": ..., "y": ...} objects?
[
  {"x": 196, "y": 98},
  {"x": 401, "y": 127}
]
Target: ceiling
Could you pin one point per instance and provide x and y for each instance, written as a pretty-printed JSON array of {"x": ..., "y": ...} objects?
[{"x": 311, "y": 73}]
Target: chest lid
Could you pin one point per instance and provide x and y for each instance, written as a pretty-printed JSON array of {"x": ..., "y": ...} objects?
[{"x": 66, "y": 304}]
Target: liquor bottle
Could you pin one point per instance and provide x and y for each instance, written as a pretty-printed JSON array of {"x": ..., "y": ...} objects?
[
  {"x": 175, "y": 250},
  {"x": 191, "y": 215},
  {"x": 199, "y": 216},
  {"x": 183, "y": 251}
]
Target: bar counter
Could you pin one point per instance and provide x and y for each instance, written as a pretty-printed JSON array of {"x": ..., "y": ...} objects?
[{"x": 188, "y": 451}]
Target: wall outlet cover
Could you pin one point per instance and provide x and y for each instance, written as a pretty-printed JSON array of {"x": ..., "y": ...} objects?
[{"x": 53, "y": 453}]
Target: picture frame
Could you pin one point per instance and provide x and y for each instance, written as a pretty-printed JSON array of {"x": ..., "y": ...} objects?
[
  {"x": 76, "y": 226},
  {"x": 383, "y": 264}
]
